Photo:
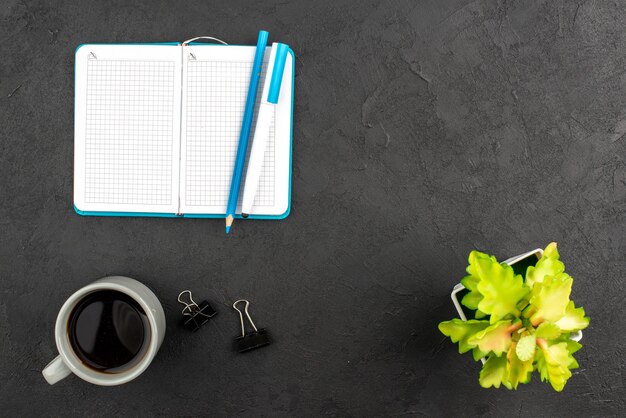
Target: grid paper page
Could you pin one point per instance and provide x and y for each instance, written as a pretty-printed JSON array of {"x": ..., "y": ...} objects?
[
  {"x": 128, "y": 132},
  {"x": 215, "y": 101}
]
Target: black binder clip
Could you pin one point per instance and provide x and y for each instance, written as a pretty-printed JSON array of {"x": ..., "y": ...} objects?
[
  {"x": 253, "y": 339},
  {"x": 195, "y": 316}
]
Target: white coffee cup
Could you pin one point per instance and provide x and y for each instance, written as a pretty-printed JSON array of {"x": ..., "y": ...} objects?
[{"x": 68, "y": 362}]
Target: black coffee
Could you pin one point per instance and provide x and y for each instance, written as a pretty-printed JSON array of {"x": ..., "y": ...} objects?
[{"x": 109, "y": 331}]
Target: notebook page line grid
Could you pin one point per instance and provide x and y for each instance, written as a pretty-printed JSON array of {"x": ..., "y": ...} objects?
[
  {"x": 129, "y": 132},
  {"x": 216, "y": 96}
]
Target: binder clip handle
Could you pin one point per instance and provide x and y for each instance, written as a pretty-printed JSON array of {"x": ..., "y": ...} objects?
[
  {"x": 190, "y": 306},
  {"x": 243, "y": 327}
]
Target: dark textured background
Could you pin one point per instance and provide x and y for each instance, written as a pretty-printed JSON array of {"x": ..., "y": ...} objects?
[{"x": 422, "y": 130}]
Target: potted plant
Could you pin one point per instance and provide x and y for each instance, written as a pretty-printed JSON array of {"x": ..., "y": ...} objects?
[{"x": 517, "y": 317}]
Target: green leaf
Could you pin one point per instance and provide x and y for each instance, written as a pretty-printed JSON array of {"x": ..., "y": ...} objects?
[
  {"x": 525, "y": 348},
  {"x": 551, "y": 251},
  {"x": 542, "y": 367},
  {"x": 471, "y": 300},
  {"x": 477, "y": 354},
  {"x": 496, "y": 338},
  {"x": 519, "y": 371},
  {"x": 473, "y": 297},
  {"x": 548, "y": 331},
  {"x": 550, "y": 298},
  {"x": 460, "y": 331},
  {"x": 553, "y": 363},
  {"x": 500, "y": 287},
  {"x": 572, "y": 347},
  {"x": 494, "y": 372},
  {"x": 574, "y": 319},
  {"x": 470, "y": 282},
  {"x": 479, "y": 314},
  {"x": 548, "y": 265}
]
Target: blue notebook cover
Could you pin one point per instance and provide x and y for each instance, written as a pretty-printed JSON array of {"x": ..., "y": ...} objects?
[{"x": 198, "y": 215}]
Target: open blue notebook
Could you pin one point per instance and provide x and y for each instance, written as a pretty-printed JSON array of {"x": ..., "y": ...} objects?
[{"x": 157, "y": 128}]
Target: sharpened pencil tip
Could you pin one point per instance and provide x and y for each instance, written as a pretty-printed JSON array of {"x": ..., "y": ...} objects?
[{"x": 229, "y": 222}]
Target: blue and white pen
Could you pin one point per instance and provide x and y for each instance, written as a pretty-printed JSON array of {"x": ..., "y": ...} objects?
[{"x": 269, "y": 100}]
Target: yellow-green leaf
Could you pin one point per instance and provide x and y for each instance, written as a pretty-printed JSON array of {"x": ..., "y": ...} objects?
[
  {"x": 525, "y": 348},
  {"x": 548, "y": 331},
  {"x": 572, "y": 347},
  {"x": 496, "y": 338},
  {"x": 574, "y": 319},
  {"x": 470, "y": 282},
  {"x": 479, "y": 314},
  {"x": 518, "y": 371},
  {"x": 548, "y": 265},
  {"x": 460, "y": 331},
  {"x": 472, "y": 268},
  {"x": 500, "y": 287},
  {"x": 553, "y": 363},
  {"x": 473, "y": 297},
  {"x": 477, "y": 354},
  {"x": 550, "y": 298},
  {"x": 471, "y": 300},
  {"x": 494, "y": 372}
]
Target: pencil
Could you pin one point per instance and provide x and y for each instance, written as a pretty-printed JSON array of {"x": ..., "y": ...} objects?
[{"x": 245, "y": 129}]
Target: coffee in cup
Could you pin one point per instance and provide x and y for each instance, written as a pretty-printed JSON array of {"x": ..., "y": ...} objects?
[{"x": 107, "y": 333}]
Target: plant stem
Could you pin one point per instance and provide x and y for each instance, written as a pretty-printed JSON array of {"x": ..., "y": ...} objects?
[
  {"x": 542, "y": 343},
  {"x": 514, "y": 327}
]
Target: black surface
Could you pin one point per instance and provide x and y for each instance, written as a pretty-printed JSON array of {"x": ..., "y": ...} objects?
[{"x": 422, "y": 130}]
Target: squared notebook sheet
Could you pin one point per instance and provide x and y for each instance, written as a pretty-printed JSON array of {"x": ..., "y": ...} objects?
[{"x": 157, "y": 129}]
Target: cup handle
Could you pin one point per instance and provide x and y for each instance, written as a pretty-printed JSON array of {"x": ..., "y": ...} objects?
[{"x": 56, "y": 370}]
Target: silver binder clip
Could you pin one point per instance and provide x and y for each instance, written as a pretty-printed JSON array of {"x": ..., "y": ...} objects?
[
  {"x": 253, "y": 339},
  {"x": 194, "y": 315}
]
